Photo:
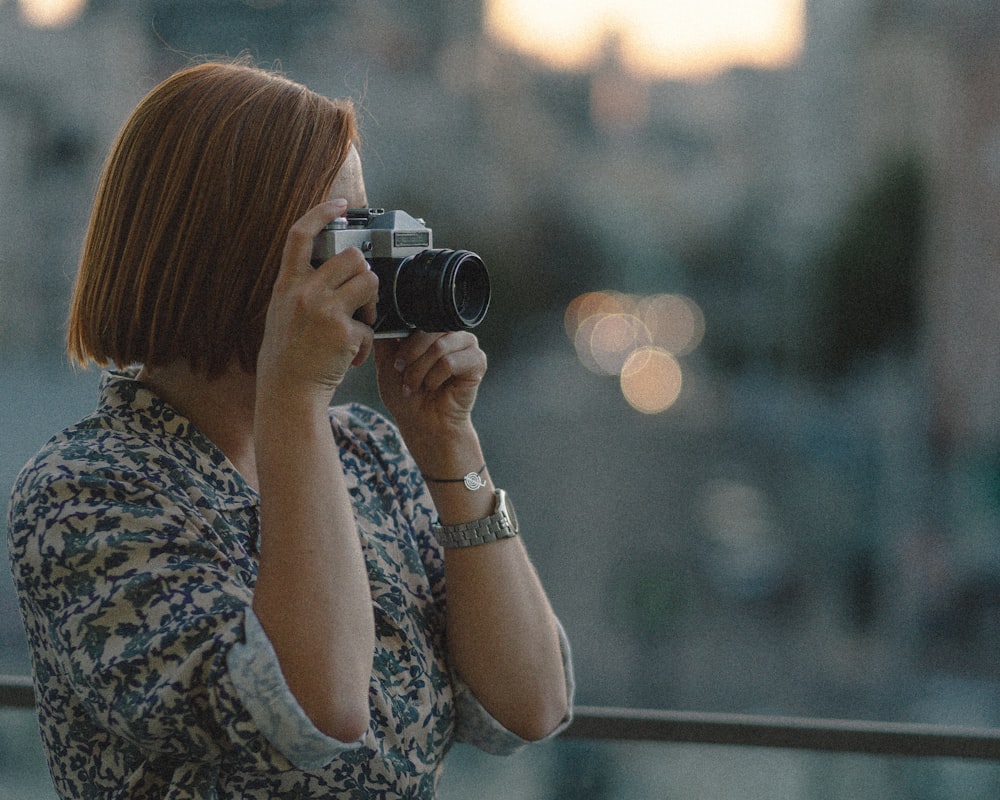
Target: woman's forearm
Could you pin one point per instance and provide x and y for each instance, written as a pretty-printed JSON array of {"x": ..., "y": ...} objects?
[
  {"x": 312, "y": 594},
  {"x": 503, "y": 637},
  {"x": 502, "y": 634}
]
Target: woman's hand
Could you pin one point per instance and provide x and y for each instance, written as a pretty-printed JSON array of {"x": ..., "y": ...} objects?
[
  {"x": 311, "y": 336},
  {"x": 429, "y": 381}
]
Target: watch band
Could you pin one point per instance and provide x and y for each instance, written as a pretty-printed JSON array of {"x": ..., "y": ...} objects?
[{"x": 502, "y": 524}]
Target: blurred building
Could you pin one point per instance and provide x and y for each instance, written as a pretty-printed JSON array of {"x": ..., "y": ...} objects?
[
  {"x": 953, "y": 52},
  {"x": 63, "y": 94}
]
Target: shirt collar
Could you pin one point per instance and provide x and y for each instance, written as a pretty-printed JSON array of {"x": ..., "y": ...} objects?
[{"x": 135, "y": 406}]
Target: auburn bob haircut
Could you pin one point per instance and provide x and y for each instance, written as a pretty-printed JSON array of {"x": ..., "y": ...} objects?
[{"x": 199, "y": 191}]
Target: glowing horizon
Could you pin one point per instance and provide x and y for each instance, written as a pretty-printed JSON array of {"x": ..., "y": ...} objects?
[
  {"x": 657, "y": 38},
  {"x": 50, "y": 13}
]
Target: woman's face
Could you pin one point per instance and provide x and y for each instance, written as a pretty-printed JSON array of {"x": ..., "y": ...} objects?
[{"x": 350, "y": 183}]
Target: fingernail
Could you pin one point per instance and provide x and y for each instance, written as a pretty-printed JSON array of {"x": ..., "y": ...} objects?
[
  {"x": 400, "y": 365},
  {"x": 407, "y": 391},
  {"x": 340, "y": 201}
]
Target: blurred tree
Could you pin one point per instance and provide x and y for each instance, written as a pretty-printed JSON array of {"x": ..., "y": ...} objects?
[
  {"x": 734, "y": 275},
  {"x": 867, "y": 291},
  {"x": 541, "y": 258}
]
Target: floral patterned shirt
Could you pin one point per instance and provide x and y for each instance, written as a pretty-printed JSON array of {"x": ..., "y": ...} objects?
[{"x": 133, "y": 545}]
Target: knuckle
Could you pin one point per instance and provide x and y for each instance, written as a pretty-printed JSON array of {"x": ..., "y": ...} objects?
[
  {"x": 353, "y": 255},
  {"x": 447, "y": 363},
  {"x": 282, "y": 284},
  {"x": 437, "y": 350},
  {"x": 338, "y": 328},
  {"x": 299, "y": 230}
]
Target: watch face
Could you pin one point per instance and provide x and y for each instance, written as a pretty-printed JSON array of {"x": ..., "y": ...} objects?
[{"x": 507, "y": 507}]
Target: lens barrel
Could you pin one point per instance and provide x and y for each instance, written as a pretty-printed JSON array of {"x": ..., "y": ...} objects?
[{"x": 442, "y": 290}]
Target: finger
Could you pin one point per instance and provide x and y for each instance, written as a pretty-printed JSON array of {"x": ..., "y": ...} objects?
[
  {"x": 386, "y": 357},
  {"x": 354, "y": 287},
  {"x": 344, "y": 266},
  {"x": 365, "y": 348},
  {"x": 415, "y": 356},
  {"x": 297, "y": 252},
  {"x": 341, "y": 267},
  {"x": 368, "y": 313},
  {"x": 467, "y": 364},
  {"x": 432, "y": 360},
  {"x": 417, "y": 344}
]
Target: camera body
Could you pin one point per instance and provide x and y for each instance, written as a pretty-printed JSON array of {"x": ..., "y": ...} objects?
[{"x": 420, "y": 288}]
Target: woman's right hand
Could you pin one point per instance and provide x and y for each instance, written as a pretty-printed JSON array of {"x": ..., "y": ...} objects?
[
  {"x": 311, "y": 335},
  {"x": 312, "y": 595}
]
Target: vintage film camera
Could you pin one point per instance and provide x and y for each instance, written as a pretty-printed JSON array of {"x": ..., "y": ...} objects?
[{"x": 419, "y": 288}]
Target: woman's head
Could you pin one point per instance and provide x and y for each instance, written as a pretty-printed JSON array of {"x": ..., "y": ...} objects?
[{"x": 203, "y": 183}]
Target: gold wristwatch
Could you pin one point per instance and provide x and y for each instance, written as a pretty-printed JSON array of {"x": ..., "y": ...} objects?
[{"x": 502, "y": 524}]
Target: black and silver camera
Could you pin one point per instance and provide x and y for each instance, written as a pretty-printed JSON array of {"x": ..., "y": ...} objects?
[{"x": 419, "y": 288}]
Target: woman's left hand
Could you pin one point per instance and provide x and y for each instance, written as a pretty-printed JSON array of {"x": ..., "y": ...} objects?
[
  {"x": 429, "y": 381},
  {"x": 502, "y": 636}
]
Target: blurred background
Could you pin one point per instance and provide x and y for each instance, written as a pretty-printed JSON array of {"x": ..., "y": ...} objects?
[{"x": 745, "y": 359}]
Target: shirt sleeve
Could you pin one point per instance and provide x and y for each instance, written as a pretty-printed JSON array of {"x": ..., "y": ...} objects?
[
  {"x": 134, "y": 598},
  {"x": 257, "y": 676},
  {"x": 477, "y": 727}
]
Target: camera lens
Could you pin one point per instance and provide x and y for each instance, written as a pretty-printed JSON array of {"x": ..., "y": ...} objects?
[{"x": 442, "y": 290}]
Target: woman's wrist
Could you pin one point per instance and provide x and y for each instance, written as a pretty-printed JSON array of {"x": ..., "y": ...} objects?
[
  {"x": 445, "y": 452},
  {"x": 471, "y": 480},
  {"x": 457, "y": 475}
]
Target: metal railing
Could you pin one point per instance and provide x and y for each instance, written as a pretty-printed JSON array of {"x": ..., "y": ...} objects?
[
  {"x": 796, "y": 733},
  {"x": 16, "y": 692}
]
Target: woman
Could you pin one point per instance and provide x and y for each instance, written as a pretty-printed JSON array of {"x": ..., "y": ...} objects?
[{"x": 230, "y": 588}]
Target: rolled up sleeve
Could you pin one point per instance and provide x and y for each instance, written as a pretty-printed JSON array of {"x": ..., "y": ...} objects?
[
  {"x": 477, "y": 727},
  {"x": 256, "y": 674}
]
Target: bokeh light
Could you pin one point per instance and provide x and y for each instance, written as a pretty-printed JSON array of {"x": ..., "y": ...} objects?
[
  {"x": 614, "y": 338},
  {"x": 674, "y": 322},
  {"x": 651, "y": 380},
  {"x": 591, "y": 304},
  {"x": 636, "y": 337}
]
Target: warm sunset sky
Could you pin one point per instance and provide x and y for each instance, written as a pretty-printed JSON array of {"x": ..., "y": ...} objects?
[
  {"x": 661, "y": 38},
  {"x": 46, "y": 13},
  {"x": 664, "y": 38}
]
